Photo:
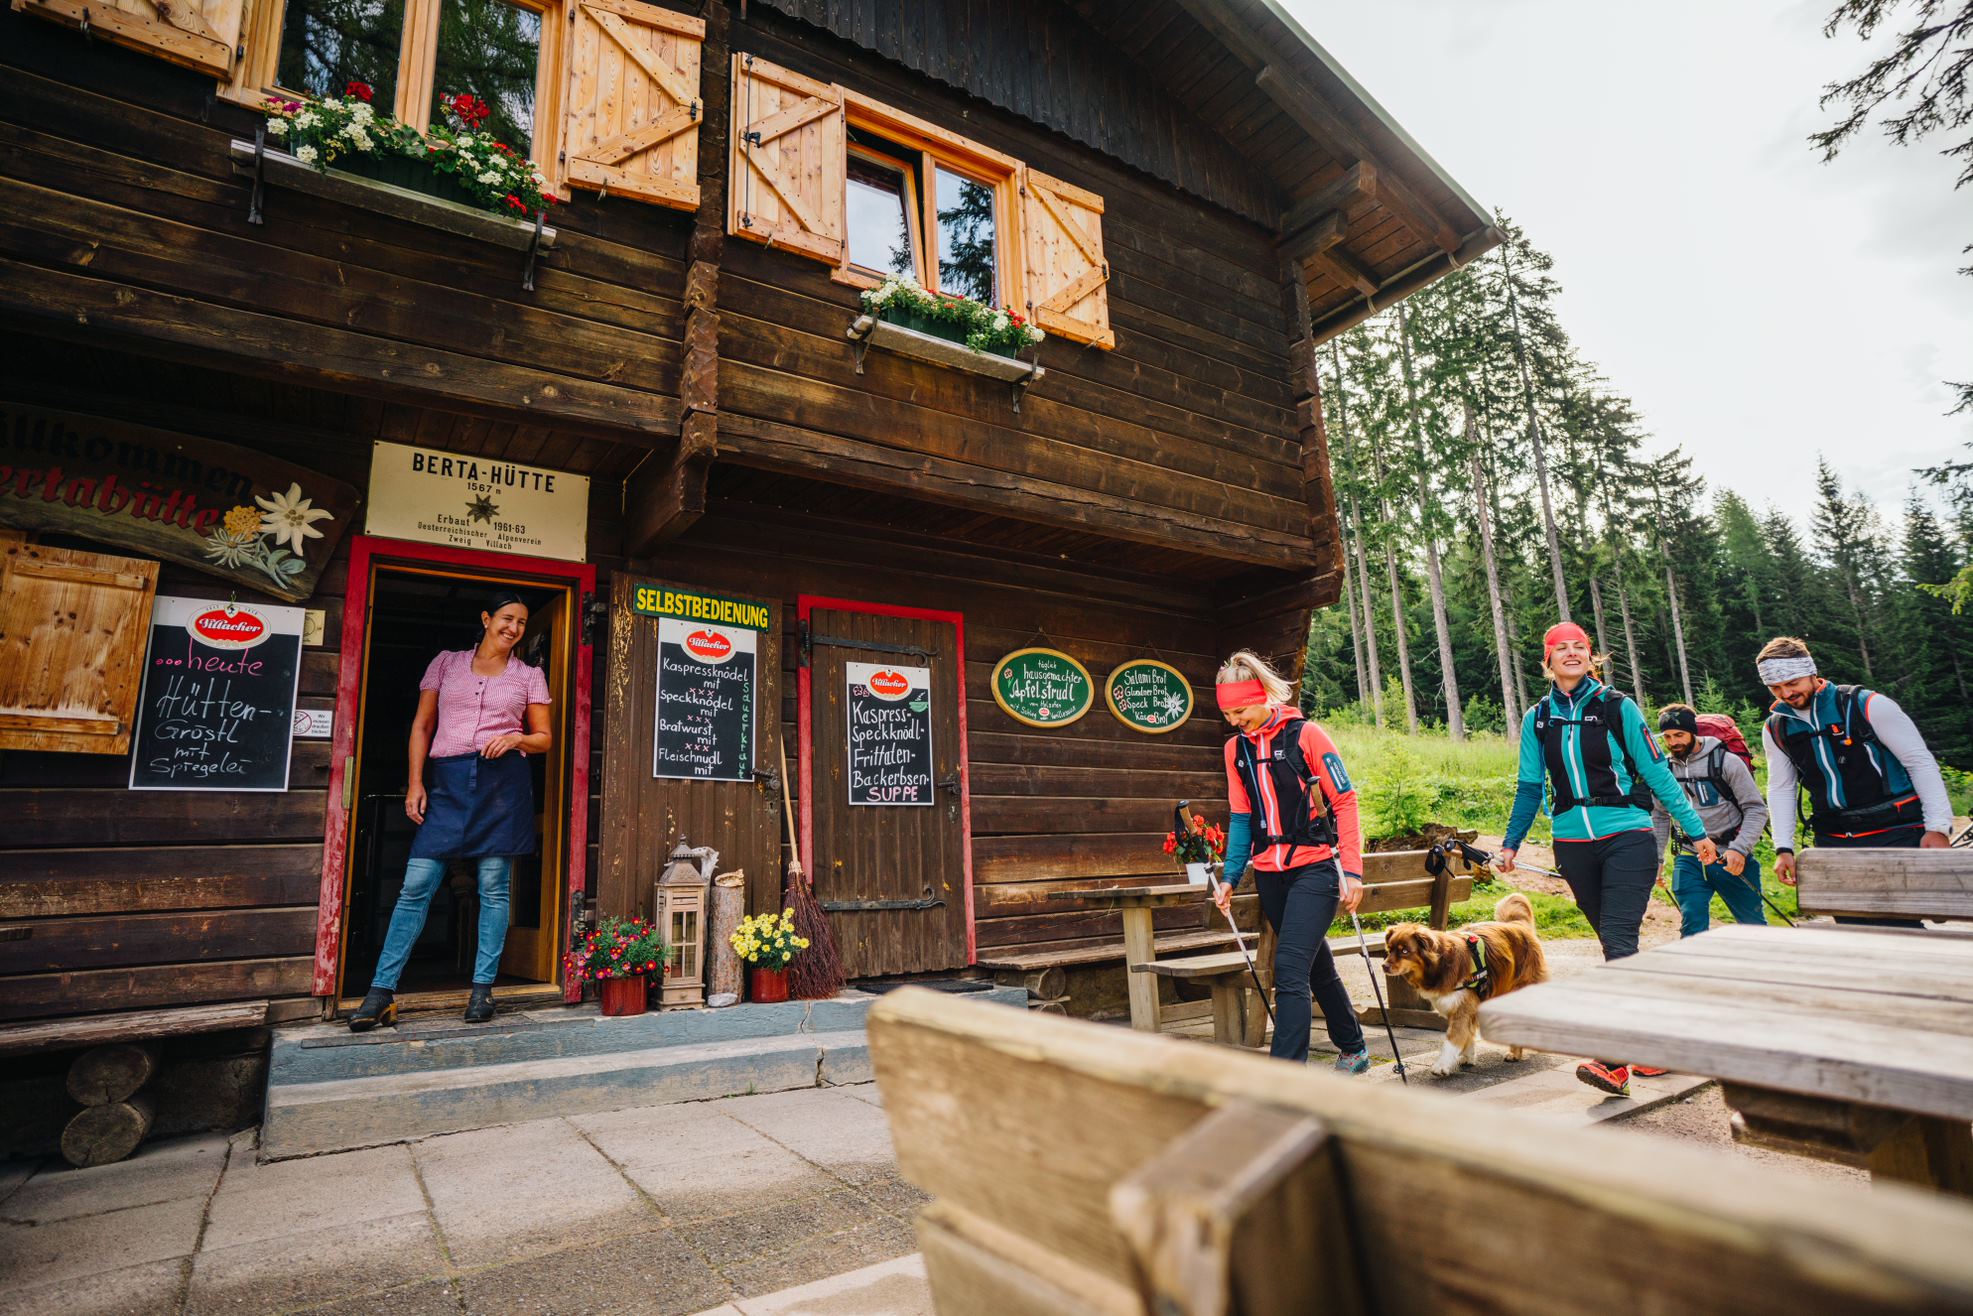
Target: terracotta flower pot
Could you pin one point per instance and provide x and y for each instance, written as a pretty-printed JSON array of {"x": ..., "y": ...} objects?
[
  {"x": 623, "y": 996},
  {"x": 770, "y": 985}
]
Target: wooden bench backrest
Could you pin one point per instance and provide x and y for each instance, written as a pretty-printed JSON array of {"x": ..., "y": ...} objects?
[
  {"x": 1397, "y": 879},
  {"x": 1076, "y": 1167},
  {"x": 1886, "y": 883}
]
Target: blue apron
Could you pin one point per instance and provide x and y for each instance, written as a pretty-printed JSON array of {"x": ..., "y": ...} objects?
[{"x": 476, "y": 808}]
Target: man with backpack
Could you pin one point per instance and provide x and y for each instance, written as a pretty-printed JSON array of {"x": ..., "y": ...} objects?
[
  {"x": 1872, "y": 784},
  {"x": 1720, "y": 783}
]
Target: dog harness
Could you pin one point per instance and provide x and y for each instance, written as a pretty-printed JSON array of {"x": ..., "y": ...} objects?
[{"x": 1481, "y": 981}]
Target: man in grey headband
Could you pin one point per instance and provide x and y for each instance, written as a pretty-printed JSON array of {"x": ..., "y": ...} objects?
[{"x": 1872, "y": 784}]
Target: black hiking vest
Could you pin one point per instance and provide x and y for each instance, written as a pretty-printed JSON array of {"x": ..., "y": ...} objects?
[
  {"x": 1305, "y": 816},
  {"x": 1601, "y": 722},
  {"x": 1870, "y": 803}
]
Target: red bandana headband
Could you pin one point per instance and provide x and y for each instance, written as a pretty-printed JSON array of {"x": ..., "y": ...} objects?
[
  {"x": 1239, "y": 694},
  {"x": 1560, "y": 631}
]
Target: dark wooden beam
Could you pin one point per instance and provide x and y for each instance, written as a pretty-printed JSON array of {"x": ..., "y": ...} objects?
[
  {"x": 1358, "y": 183},
  {"x": 1401, "y": 285},
  {"x": 664, "y": 496},
  {"x": 1344, "y": 269},
  {"x": 1327, "y": 232}
]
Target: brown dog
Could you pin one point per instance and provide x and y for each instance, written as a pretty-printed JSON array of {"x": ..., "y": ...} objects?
[{"x": 1459, "y": 969}]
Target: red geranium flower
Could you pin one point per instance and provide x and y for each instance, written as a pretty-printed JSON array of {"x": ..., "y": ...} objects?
[{"x": 360, "y": 90}]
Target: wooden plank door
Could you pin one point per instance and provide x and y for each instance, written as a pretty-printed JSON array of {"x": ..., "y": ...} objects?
[{"x": 892, "y": 876}]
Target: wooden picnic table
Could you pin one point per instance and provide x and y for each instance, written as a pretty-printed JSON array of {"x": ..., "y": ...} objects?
[
  {"x": 1140, "y": 944},
  {"x": 1886, "y": 883},
  {"x": 1854, "y": 1044}
]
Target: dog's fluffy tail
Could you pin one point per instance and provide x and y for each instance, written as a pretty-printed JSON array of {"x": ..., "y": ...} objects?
[{"x": 1514, "y": 907}]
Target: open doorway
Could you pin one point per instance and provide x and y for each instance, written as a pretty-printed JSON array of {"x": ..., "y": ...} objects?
[{"x": 414, "y": 612}]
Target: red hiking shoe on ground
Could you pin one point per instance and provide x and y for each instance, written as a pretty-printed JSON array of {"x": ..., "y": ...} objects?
[
  {"x": 1648, "y": 1071},
  {"x": 1614, "y": 1079}
]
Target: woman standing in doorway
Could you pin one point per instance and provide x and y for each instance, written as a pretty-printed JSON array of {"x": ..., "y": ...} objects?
[
  {"x": 481, "y": 712},
  {"x": 1589, "y": 745},
  {"x": 1294, "y": 814}
]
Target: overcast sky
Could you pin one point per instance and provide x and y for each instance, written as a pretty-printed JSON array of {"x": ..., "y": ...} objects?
[{"x": 1760, "y": 306}]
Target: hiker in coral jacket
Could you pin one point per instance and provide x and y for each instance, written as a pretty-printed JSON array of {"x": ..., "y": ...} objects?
[
  {"x": 1721, "y": 787},
  {"x": 1872, "y": 783}
]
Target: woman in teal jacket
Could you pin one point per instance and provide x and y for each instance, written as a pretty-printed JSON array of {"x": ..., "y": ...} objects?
[{"x": 1591, "y": 748}]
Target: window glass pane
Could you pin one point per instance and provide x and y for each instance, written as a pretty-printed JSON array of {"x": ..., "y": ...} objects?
[
  {"x": 490, "y": 50},
  {"x": 327, "y": 44},
  {"x": 966, "y": 237},
  {"x": 878, "y": 215}
]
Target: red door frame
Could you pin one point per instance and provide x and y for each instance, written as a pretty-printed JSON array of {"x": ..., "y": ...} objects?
[
  {"x": 804, "y": 724},
  {"x": 369, "y": 550}
]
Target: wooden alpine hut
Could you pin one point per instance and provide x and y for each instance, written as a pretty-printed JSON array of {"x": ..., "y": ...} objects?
[{"x": 271, "y": 424}]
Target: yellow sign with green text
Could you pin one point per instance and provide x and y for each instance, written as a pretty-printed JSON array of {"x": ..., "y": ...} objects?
[{"x": 660, "y": 601}]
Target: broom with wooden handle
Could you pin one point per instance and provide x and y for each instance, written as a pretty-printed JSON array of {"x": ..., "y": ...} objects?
[{"x": 817, "y": 973}]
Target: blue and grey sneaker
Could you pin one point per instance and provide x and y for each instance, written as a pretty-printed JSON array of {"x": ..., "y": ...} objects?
[{"x": 1353, "y": 1062}]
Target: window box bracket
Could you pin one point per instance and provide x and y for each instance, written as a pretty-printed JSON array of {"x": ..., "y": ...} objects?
[
  {"x": 267, "y": 166},
  {"x": 868, "y": 331}
]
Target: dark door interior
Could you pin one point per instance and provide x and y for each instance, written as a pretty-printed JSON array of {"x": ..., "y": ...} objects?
[{"x": 891, "y": 876}]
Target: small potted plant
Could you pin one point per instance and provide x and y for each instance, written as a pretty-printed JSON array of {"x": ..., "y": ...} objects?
[
  {"x": 1198, "y": 847},
  {"x": 620, "y": 957},
  {"x": 767, "y": 942}
]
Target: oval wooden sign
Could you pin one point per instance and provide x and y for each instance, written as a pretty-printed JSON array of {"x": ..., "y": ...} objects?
[
  {"x": 1042, "y": 687},
  {"x": 1149, "y": 696}
]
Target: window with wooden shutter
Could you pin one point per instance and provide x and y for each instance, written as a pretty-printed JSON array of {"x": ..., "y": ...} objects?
[
  {"x": 633, "y": 107},
  {"x": 789, "y": 160},
  {"x": 73, "y": 627},
  {"x": 1068, "y": 277},
  {"x": 200, "y": 34}
]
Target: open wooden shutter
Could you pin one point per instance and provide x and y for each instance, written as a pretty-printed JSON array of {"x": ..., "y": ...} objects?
[
  {"x": 1068, "y": 278},
  {"x": 200, "y": 34},
  {"x": 632, "y": 122},
  {"x": 73, "y": 627},
  {"x": 789, "y": 160}
]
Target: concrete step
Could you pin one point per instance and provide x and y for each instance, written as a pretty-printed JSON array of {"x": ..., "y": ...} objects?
[{"x": 308, "y": 1118}]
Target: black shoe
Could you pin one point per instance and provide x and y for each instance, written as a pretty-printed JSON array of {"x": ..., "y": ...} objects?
[
  {"x": 379, "y": 1007},
  {"x": 479, "y": 1007}
]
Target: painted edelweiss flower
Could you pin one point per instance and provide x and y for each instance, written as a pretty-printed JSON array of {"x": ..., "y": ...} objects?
[
  {"x": 242, "y": 523},
  {"x": 288, "y": 517}
]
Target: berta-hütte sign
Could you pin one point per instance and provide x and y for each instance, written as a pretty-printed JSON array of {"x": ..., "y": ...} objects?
[{"x": 463, "y": 501}]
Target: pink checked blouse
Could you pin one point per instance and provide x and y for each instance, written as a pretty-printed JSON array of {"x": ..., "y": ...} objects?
[{"x": 474, "y": 709}]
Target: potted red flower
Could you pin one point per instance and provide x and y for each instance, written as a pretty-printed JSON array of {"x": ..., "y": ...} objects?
[
  {"x": 620, "y": 956},
  {"x": 1198, "y": 847}
]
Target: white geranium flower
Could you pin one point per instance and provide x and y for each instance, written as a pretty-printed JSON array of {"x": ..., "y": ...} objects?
[
  {"x": 306, "y": 119},
  {"x": 277, "y": 127},
  {"x": 287, "y": 517},
  {"x": 357, "y": 137},
  {"x": 306, "y": 154},
  {"x": 1000, "y": 322},
  {"x": 489, "y": 177},
  {"x": 363, "y": 113}
]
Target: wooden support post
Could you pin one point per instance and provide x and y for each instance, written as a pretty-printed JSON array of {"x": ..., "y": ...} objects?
[
  {"x": 1930, "y": 1152},
  {"x": 1140, "y": 947},
  {"x": 1918, "y": 1149},
  {"x": 729, "y": 905},
  {"x": 1229, "y": 1009}
]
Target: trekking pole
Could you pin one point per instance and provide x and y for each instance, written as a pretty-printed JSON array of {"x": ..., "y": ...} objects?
[
  {"x": 1248, "y": 955},
  {"x": 1475, "y": 855},
  {"x": 1742, "y": 875},
  {"x": 1363, "y": 945}
]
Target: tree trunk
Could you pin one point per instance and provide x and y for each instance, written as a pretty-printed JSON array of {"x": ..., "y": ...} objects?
[
  {"x": 1596, "y": 614},
  {"x": 1434, "y": 575},
  {"x": 1397, "y": 602},
  {"x": 1520, "y": 672},
  {"x": 1356, "y": 631},
  {"x": 1630, "y": 644},
  {"x": 1856, "y": 607},
  {"x": 104, "y": 1074},
  {"x": 1509, "y": 704},
  {"x": 1678, "y": 633},
  {"x": 1356, "y": 530},
  {"x": 103, "y": 1135},
  {"x": 724, "y": 972},
  {"x": 1534, "y": 439}
]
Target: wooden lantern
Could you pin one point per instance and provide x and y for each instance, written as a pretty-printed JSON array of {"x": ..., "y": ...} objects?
[{"x": 681, "y": 912}]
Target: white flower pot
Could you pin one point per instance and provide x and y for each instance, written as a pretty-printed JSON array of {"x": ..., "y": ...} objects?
[{"x": 1199, "y": 874}]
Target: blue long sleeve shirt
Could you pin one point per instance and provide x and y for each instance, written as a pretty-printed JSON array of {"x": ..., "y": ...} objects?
[{"x": 1634, "y": 756}]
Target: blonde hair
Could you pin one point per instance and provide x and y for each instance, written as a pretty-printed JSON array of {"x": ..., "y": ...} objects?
[
  {"x": 1246, "y": 665},
  {"x": 1782, "y": 646}
]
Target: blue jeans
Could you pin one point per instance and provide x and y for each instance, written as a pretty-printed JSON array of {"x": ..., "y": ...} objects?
[
  {"x": 1694, "y": 885},
  {"x": 421, "y": 879},
  {"x": 1300, "y": 904}
]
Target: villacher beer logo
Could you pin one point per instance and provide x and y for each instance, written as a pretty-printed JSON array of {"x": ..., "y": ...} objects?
[
  {"x": 709, "y": 646},
  {"x": 230, "y": 627},
  {"x": 890, "y": 685}
]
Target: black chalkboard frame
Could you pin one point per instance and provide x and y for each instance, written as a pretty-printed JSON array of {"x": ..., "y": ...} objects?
[{"x": 170, "y": 617}]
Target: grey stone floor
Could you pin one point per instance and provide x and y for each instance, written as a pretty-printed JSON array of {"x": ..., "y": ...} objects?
[{"x": 666, "y": 1209}]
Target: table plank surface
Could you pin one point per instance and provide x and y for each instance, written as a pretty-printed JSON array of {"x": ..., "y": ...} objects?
[
  {"x": 1907, "y": 883},
  {"x": 1880, "y": 1017}
]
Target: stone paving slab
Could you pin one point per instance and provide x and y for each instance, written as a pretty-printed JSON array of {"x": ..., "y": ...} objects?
[
  {"x": 889, "y": 1288},
  {"x": 256, "y": 1203},
  {"x": 314, "y": 1267},
  {"x": 502, "y": 1193},
  {"x": 130, "y": 1291},
  {"x": 183, "y": 1168}
]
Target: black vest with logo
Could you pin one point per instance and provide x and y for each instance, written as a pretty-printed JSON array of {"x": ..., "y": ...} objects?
[
  {"x": 1305, "y": 817},
  {"x": 1600, "y": 723},
  {"x": 1869, "y": 800}
]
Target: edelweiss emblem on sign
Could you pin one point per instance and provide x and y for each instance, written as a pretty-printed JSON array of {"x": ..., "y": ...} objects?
[{"x": 482, "y": 509}]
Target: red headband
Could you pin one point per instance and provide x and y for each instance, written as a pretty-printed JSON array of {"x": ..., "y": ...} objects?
[
  {"x": 1560, "y": 631},
  {"x": 1239, "y": 694}
]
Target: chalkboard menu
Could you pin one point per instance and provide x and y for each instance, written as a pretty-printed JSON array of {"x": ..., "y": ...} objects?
[
  {"x": 1042, "y": 687},
  {"x": 217, "y": 707},
  {"x": 890, "y": 734},
  {"x": 1149, "y": 696},
  {"x": 705, "y": 717}
]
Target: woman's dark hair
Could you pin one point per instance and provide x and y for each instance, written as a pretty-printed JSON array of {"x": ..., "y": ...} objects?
[{"x": 499, "y": 599}]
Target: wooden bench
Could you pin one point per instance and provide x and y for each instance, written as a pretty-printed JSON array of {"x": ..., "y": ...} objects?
[
  {"x": 1935, "y": 884},
  {"x": 1393, "y": 880},
  {"x": 1079, "y": 1168}
]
